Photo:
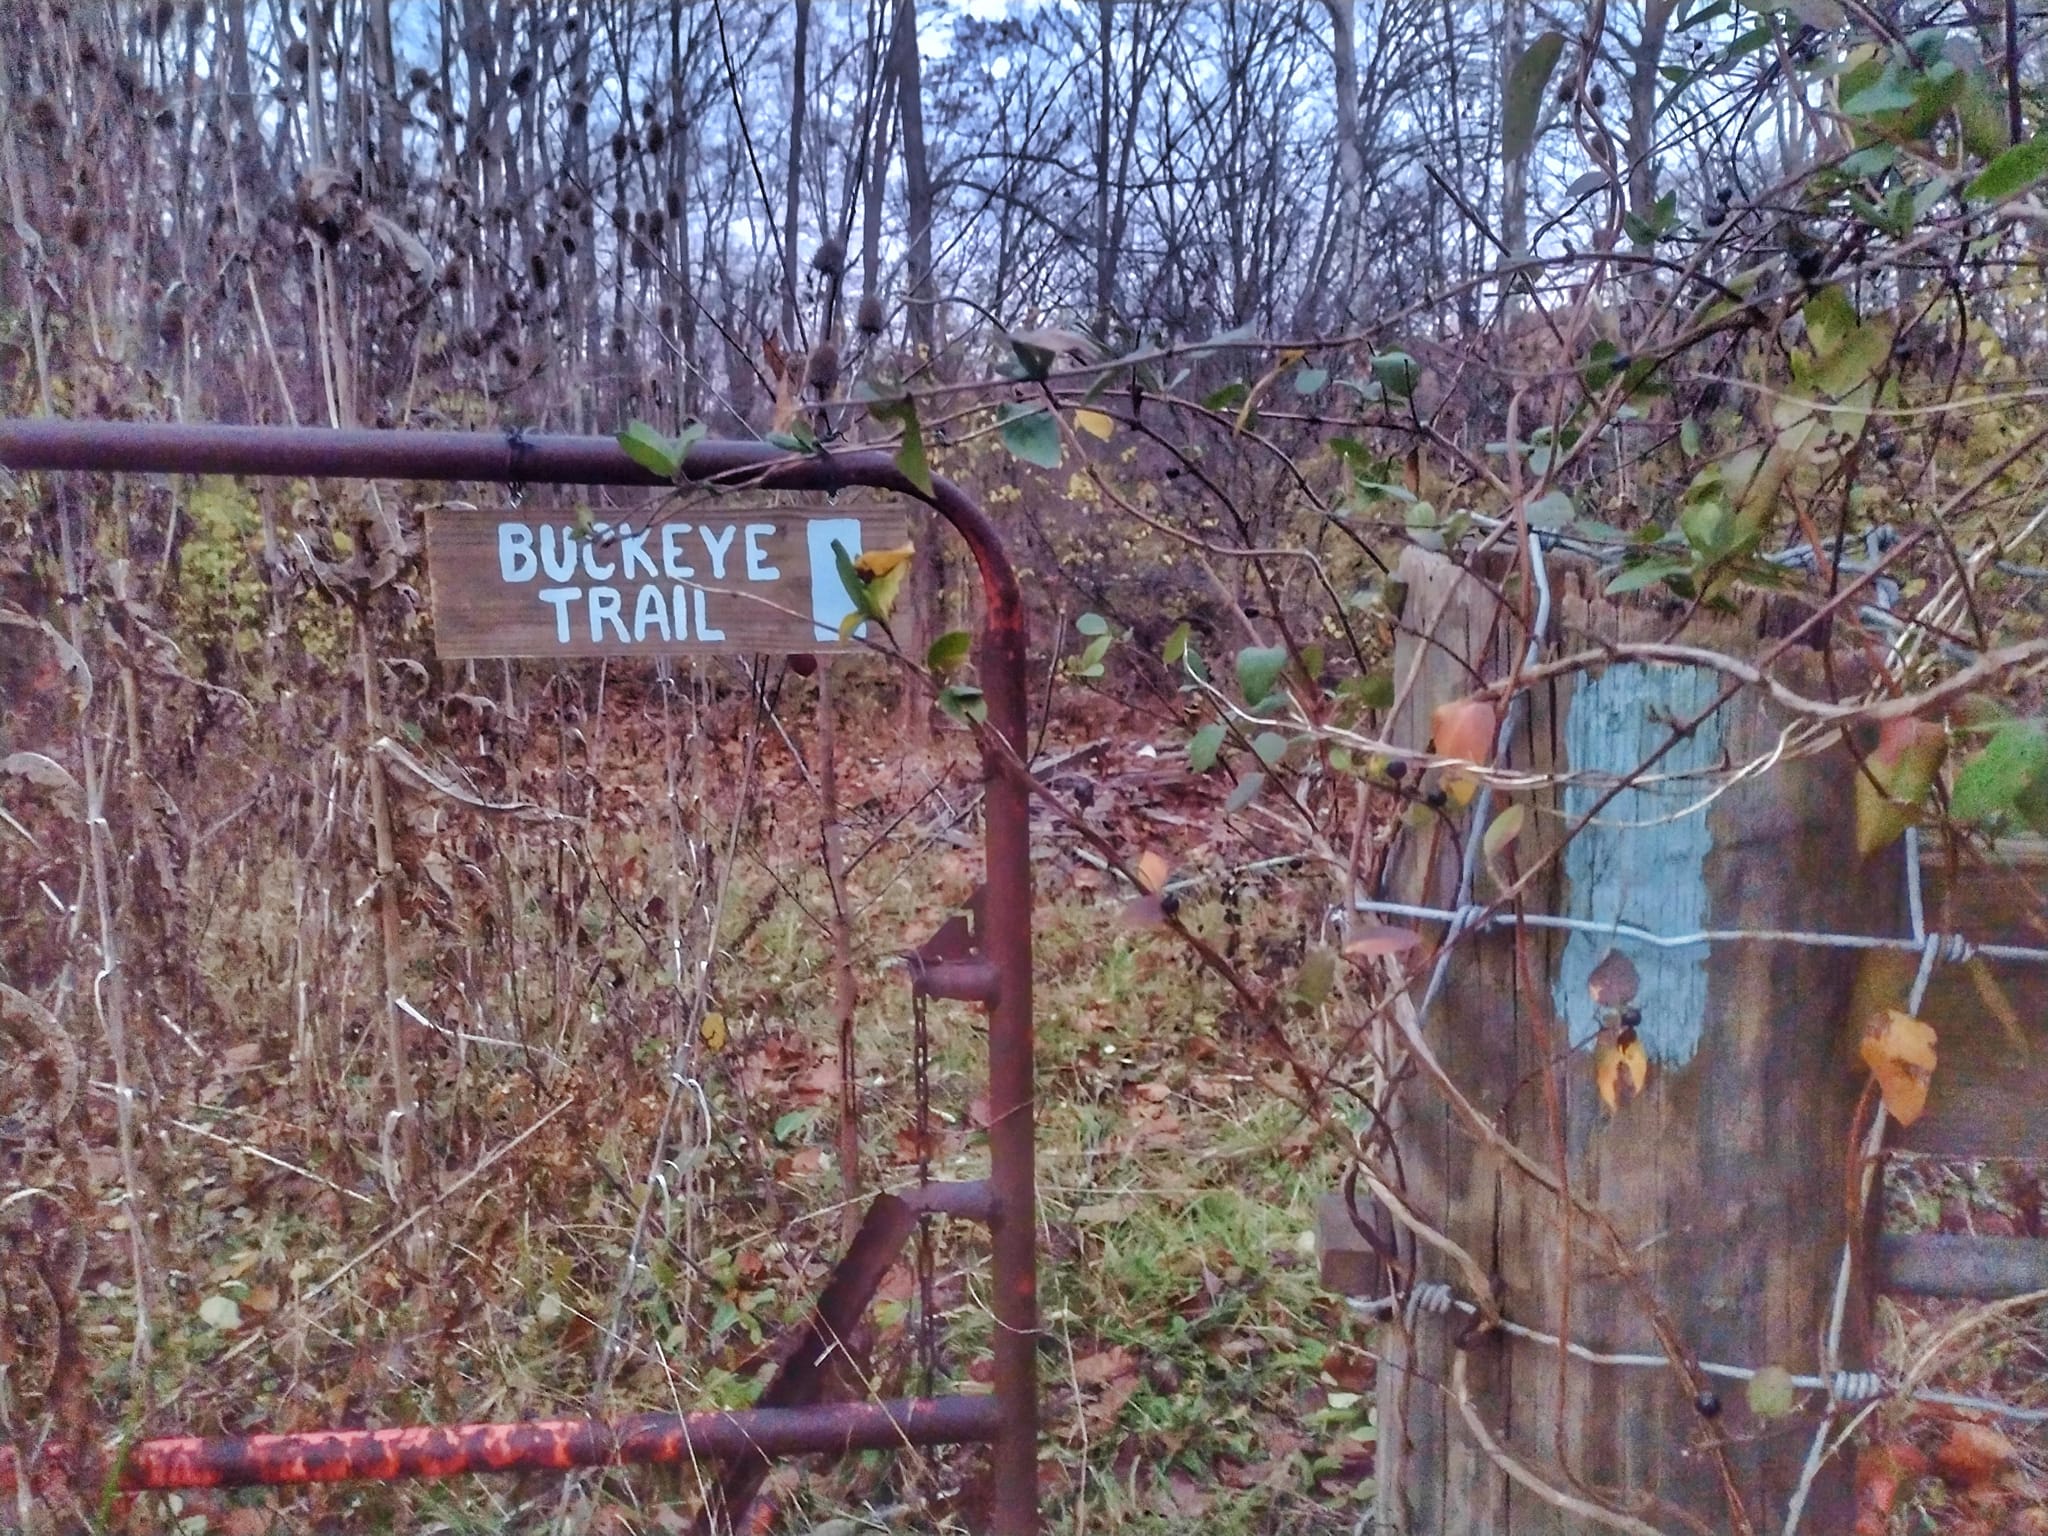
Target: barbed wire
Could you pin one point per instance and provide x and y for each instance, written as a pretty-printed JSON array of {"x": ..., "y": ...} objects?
[{"x": 1844, "y": 1387}]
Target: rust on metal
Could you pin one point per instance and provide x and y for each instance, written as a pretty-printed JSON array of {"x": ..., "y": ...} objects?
[
  {"x": 1008, "y": 1420},
  {"x": 542, "y": 1445}
]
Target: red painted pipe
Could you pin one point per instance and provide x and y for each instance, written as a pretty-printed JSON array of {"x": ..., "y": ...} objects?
[
  {"x": 519, "y": 458},
  {"x": 543, "y": 1445}
]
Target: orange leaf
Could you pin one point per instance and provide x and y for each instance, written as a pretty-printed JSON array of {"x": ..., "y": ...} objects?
[
  {"x": 1899, "y": 1050},
  {"x": 1619, "y": 1071},
  {"x": 1974, "y": 1453},
  {"x": 1614, "y": 981},
  {"x": 1152, "y": 871},
  {"x": 1463, "y": 730}
]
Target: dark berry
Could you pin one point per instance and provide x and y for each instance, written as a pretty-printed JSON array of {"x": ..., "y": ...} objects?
[
  {"x": 1436, "y": 799},
  {"x": 1631, "y": 1018},
  {"x": 1724, "y": 195},
  {"x": 1169, "y": 903},
  {"x": 1397, "y": 770},
  {"x": 1707, "y": 1405}
]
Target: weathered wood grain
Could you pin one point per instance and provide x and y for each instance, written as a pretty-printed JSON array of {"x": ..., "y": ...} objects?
[
  {"x": 1725, "y": 1179},
  {"x": 1973, "y": 1268},
  {"x": 707, "y": 576},
  {"x": 1989, "y": 1097}
]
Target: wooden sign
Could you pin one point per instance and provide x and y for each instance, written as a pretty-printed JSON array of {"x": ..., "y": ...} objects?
[{"x": 664, "y": 582}]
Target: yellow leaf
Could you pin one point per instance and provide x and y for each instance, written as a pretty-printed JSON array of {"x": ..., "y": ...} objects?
[
  {"x": 1095, "y": 424},
  {"x": 1616, "y": 1066},
  {"x": 1991, "y": 993},
  {"x": 1500, "y": 836},
  {"x": 711, "y": 1030},
  {"x": 880, "y": 562},
  {"x": 1152, "y": 871},
  {"x": 1899, "y": 1050}
]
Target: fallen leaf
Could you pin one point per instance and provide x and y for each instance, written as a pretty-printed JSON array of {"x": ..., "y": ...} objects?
[
  {"x": 1152, "y": 871},
  {"x": 1614, "y": 981},
  {"x": 1974, "y": 1453},
  {"x": 1619, "y": 1071},
  {"x": 1899, "y": 1050},
  {"x": 1095, "y": 423},
  {"x": 711, "y": 1030},
  {"x": 1882, "y": 1472},
  {"x": 1105, "y": 1365}
]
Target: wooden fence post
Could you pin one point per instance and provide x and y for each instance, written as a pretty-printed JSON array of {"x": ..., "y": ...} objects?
[{"x": 1726, "y": 1179}]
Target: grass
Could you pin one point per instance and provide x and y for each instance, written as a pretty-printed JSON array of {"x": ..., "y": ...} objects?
[{"x": 1186, "y": 1337}]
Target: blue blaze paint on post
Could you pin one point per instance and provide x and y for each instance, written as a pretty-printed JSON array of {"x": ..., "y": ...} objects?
[
  {"x": 830, "y": 601},
  {"x": 1643, "y": 861}
]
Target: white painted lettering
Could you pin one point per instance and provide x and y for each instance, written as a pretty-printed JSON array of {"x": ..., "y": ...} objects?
[
  {"x": 561, "y": 597},
  {"x": 672, "y": 552},
  {"x": 604, "y": 609},
  {"x": 758, "y": 568},
  {"x": 679, "y": 598},
  {"x": 557, "y": 552},
  {"x": 516, "y": 561},
  {"x": 600, "y": 533},
  {"x": 649, "y": 612},
  {"x": 704, "y": 629},
  {"x": 717, "y": 548},
  {"x": 633, "y": 550}
]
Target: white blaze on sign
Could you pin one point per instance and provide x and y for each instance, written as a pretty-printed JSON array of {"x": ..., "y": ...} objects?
[{"x": 657, "y": 583}]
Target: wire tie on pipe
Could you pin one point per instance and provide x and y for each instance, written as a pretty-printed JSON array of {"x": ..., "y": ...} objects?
[{"x": 1957, "y": 949}]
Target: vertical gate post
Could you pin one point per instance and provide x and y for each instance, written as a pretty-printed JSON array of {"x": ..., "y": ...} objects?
[
  {"x": 1009, "y": 1421},
  {"x": 1726, "y": 1177}
]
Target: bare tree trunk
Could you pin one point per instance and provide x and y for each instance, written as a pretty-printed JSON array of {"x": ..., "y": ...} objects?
[
  {"x": 798, "y": 86},
  {"x": 917, "y": 186},
  {"x": 1514, "y": 187},
  {"x": 1105, "y": 247},
  {"x": 390, "y": 170},
  {"x": 1350, "y": 162}
]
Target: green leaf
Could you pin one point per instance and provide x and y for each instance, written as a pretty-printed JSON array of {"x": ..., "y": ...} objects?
[
  {"x": 965, "y": 703},
  {"x": 1270, "y": 746},
  {"x": 1888, "y": 93},
  {"x": 856, "y": 590},
  {"x": 1646, "y": 573},
  {"x": 221, "y": 1313},
  {"x": 1204, "y": 746},
  {"x": 1308, "y": 380},
  {"x": 1246, "y": 792},
  {"x": 1035, "y": 361},
  {"x": 1318, "y": 974},
  {"x": 791, "y": 1122},
  {"x": 1397, "y": 373},
  {"x": 1522, "y": 103},
  {"x": 1375, "y": 690},
  {"x": 2012, "y": 172},
  {"x": 1689, "y": 437},
  {"x": 910, "y": 454},
  {"x": 2010, "y": 768},
  {"x": 1092, "y": 624},
  {"x": 1553, "y": 510},
  {"x": 949, "y": 652},
  {"x": 657, "y": 452},
  {"x": 1176, "y": 644},
  {"x": 1258, "y": 669},
  {"x": 1229, "y": 397},
  {"x": 1770, "y": 1392},
  {"x": 1031, "y": 433}
]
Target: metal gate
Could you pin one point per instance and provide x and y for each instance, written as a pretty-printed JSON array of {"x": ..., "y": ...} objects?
[{"x": 995, "y": 973}]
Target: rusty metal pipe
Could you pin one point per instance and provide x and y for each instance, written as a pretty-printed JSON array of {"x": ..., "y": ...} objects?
[
  {"x": 518, "y": 458},
  {"x": 545, "y": 1445}
]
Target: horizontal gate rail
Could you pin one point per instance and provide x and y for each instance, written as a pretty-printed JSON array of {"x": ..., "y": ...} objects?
[{"x": 1006, "y": 1420}]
